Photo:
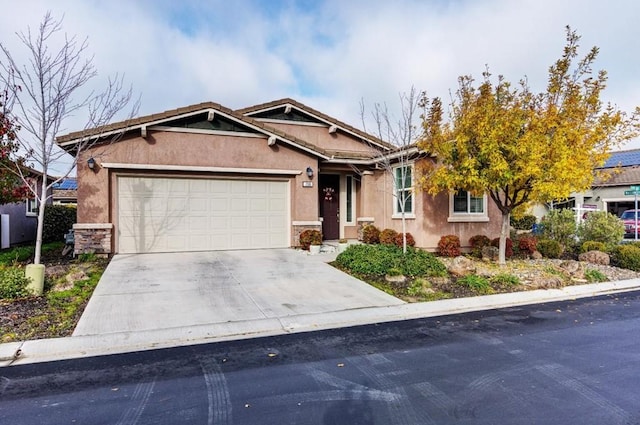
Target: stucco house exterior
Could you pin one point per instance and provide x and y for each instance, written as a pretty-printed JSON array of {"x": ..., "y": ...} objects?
[{"x": 205, "y": 177}]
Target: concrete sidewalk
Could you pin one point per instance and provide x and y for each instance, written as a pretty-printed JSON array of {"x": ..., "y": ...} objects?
[{"x": 121, "y": 342}]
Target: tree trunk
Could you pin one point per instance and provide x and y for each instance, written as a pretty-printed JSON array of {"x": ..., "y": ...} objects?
[
  {"x": 42, "y": 198},
  {"x": 404, "y": 234},
  {"x": 504, "y": 234}
]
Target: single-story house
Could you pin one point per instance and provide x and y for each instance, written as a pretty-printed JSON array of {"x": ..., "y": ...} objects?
[
  {"x": 65, "y": 192},
  {"x": 205, "y": 177}
]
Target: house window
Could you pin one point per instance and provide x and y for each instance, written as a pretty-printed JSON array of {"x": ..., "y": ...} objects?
[
  {"x": 466, "y": 207},
  {"x": 403, "y": 194},
  {"x": 349, "y": 206},
  {"x": 32, "y": 207}
]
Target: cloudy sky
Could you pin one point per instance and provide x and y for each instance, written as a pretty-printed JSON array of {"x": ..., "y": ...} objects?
[{"x": 331, "y": 54}]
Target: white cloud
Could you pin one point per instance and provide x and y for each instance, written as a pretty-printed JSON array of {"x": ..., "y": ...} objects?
[{"x": 331, "y": 54}]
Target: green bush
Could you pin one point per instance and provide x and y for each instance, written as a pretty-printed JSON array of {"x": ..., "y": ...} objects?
[
  {"x": 550, "y": 248},
  {"x": 388, "y": 237},
  {"x": 476, "y": 283},
  {"x": 601, "y": 226},
  {"x": 13, "y": 283},
  {"x": 524, "y": 222},
  {"x": 370, "y": 234},
  {"x": 627, "y": 257},
  {"x": 593, "y": 275},
  {"x": 477, "y": 242},
  {"x": 310, "y": 237},
  {"x": 504, "y": 279},
  {"x": 593, "y": 246},
  {"x": 58, "y": 219},
  {"x": 560, "y": 226},
  {"x": 379, "y": 259},
  {"x": 19, "y": 254},
  {"x": 449, "y": 246}
]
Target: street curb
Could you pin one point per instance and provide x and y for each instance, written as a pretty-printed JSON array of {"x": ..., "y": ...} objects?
[{"x": 43, "y": 350}]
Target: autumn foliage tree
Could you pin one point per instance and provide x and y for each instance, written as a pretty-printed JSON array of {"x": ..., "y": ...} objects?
[
  {"x": 518, "y": 146},
  {"x": 12, "y": 189}
]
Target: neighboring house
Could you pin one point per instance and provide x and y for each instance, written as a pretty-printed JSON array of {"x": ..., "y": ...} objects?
[
  {"x": 19, "y": 220},
  {"x": 620, "y": 172},
  {"x": 205, "y": 177},
  {"x": 65, "y": 192}
]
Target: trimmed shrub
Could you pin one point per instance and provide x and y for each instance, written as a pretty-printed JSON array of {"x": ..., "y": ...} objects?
[
  {"x": 310, "y": 237},
  {"x": 13, "y": 283},
  {"x": 527, "y": 244},
  {"x": 379, "y": 259},
  {"x": 410, "y": 240},
  {"x": 58, "y": 219},
  {"x": 524, "y": 222},
  {"x": 601, "y": 226},
  {"x": 388, "y": 237},
  {"x": 478, "y": 242},
  {"x": 593, "y": 246},
  {"x": 550, "y": 248},
  {"x": 370, "y": 234},
  {"x": 508, "y": 252},
  {"x": 449, "y": 246},
  {"x": 560, "y": 226},
  {"x": 627, "y": 257}
]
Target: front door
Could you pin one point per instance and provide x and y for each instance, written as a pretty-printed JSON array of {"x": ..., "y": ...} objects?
[{"x": 330, "y": 206}]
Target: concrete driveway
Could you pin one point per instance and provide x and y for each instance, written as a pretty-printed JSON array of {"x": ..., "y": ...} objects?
[{"x": 148, "y": 292}]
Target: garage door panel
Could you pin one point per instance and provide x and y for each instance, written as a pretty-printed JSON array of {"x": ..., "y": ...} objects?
[{"x": 165, "y": 214}]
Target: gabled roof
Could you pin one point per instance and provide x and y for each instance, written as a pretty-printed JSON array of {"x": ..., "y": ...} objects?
[
  {"x": 623, "y": 159},
  {"x": 69, "y": 141},
  {"x": 330, "y": 121}
]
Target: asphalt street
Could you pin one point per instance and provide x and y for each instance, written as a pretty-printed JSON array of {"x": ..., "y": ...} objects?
[{"x": 575, "y": 362}]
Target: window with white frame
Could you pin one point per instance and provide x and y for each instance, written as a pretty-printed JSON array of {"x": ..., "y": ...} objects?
[
  {"x": 32, "y": 207},
  {"x": 464, "y": 206},
  {"x": 403, "y": 191},
  {"x": 349, "y": 200}
]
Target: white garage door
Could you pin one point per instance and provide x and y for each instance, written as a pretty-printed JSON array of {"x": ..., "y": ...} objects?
[{"x": 174, "y": 214}]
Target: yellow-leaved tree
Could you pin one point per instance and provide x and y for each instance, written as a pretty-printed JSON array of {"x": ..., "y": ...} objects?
[{"x": 521, "y": 147}]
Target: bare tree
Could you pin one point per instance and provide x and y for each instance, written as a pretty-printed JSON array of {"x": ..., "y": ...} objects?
[
  {"x": 46, "y": 91},
  {"x": 402, "y": 133}
]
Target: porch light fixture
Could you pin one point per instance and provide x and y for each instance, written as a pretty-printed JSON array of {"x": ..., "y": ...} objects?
[
  {"x": 310, "y": 172},
  {"x": 91, "y": 163}
]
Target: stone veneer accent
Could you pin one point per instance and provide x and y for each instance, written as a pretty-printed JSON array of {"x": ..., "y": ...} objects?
[
  {"x": 301, "y": 226},
  {"x": 92, "y": 238},
  {"x": 362, "y": 222}
]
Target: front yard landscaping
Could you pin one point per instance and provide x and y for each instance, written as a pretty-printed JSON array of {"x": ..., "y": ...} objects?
[
  {"x": 69, "y": 284},
  {"x": 422, "y": 276}
]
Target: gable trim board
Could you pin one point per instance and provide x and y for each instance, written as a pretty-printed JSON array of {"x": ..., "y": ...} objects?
[
  {"x": 164, "y": 167},
  {"x": 174, "y": 214}
]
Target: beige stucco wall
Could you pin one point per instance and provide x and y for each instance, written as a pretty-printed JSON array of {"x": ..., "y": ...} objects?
[
  {"x": 321, "y": 137},
  {"x": 431, "y": 213},
  {"x": 97, "y": 189}
]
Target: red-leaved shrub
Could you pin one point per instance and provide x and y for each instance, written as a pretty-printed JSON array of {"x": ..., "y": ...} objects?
[
  {"x": 449, "y": 246},
  {"x": 410, "y": 240},
  {"x": 370, "y": 234},
  {"x": 508, "y": 253},
  {"x": 388, "y": 237}
]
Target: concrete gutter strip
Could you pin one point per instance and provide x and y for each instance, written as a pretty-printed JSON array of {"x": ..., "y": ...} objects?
[{"x": 93, "y": 345}]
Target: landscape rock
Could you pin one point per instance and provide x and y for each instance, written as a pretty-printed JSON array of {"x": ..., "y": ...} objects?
[
  {"x": 573, "y": 268},
  {"x": 461, "y": 266},
  {"x": 490, "y": 253},
  {"x": 595, "y": 257},
  {"x": 536, "y": 255}
]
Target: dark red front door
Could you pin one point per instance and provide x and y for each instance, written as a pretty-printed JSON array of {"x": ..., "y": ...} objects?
[{"x": 330, "y": 206}]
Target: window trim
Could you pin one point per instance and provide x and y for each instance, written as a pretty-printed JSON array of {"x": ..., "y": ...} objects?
[
  {"x": 461, "y": 217},
  {"x": 350, "y": 195},
  {"x": 397, "y": 214},
  {"x": 32, "y": 207}
]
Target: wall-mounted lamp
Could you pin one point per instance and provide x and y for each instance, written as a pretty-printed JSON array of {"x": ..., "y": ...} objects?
[
  {"x": 310, "y": 172},
  {"x": 91, "y": 163}
]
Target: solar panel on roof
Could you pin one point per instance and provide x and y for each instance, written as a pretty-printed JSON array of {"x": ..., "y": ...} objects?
[
  {"x": 66, "y": 184},
  {"x": 623, "y": 159}
]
